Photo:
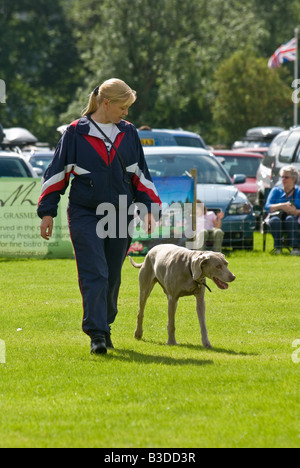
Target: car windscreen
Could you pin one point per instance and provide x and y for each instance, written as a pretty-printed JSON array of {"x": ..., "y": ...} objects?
[
  {"x": 13, "y": 167},
  {"x": 41, "y": 161},
  {"x": 269, "y": 157},
  {"x": 242, "y": 165},
  {"x": 208, "y": 169}
]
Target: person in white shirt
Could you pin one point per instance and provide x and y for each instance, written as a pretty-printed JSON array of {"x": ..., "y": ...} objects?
[{"x": 209, "y": 228}]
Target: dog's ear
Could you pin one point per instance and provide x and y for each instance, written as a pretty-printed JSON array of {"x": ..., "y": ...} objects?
[{"x": 197, "y": 265}]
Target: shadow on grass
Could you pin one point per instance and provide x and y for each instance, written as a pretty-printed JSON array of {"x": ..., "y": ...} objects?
[
  {"x": 199, "y": 347},
  {"x": 217, "y": 350},
  {"x": 129, "y": 355}
]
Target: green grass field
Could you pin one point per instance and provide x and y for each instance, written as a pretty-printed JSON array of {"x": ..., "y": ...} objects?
[{"x": 243, "y": 393}]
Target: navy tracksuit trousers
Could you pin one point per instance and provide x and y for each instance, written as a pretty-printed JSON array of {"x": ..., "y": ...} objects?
[{"x": 99, "y": 264}]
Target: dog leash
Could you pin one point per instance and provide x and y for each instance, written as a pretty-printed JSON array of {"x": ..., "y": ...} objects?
[{"x": 204, "y": 284}]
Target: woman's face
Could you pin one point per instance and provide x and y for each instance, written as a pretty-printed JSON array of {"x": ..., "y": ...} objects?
[
  {"x": 288, "y": 181},
  {"x": 115, "y": 111}
]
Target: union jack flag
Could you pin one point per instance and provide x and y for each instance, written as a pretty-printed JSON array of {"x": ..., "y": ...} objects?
[{"x": 284, "y": 53}]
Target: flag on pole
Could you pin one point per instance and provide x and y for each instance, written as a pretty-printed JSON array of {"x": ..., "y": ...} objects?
[{"x": 284, "y": 53}]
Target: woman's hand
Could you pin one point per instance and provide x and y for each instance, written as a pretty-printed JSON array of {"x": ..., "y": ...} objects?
[
  {"x": 289, "y": 208},
  {"x": 46, "y": 227},
  {"x": 293, "y": 211}
]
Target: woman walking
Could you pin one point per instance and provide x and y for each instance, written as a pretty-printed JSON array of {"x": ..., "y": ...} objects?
[{"x": 104, "y": 154}]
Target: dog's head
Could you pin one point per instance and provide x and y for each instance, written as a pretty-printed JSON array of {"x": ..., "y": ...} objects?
[{"x": 212, "y": 265}]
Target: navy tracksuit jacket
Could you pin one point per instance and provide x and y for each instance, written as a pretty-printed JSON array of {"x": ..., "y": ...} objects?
[{"x": 98, "y": 178}]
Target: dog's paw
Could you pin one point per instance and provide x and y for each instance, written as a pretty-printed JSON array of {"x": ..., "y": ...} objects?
[
  {"x": 172, "y": 342},
  {"x": 207, "y": 345},
  {"x": 138, "y": 334}
]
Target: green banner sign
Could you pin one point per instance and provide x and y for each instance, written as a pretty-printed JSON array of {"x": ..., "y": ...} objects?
[{"x": 20, "y": 225}]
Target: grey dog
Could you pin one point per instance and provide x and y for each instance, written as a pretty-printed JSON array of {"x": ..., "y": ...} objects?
[{"x": 180, "y": 272}]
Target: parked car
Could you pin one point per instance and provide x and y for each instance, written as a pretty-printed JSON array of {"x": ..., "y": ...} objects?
[
  {"x": 258, "y": 136},
  {"x": 15, "y": 155},
  {"x": 165, "y": 137},
  {"x": 255, "y": 149},
  {"x": 289, "y": 153},
  {"x": 14, "y": 165},
  {"x": 265, "y": 171},
  {"x": 39, "y": 160},
  {"x": 214, "y": 188},
  {"x": 242, "y": 162}
]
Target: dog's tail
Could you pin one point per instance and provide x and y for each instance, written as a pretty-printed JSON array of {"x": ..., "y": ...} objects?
[{"x": 136, "y": 265}]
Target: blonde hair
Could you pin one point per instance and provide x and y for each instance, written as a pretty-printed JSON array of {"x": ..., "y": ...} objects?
[{"x": 114, "y": 90}]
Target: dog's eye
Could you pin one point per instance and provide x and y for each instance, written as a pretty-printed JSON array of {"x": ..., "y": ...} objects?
[{"x": 219, "y": 267}]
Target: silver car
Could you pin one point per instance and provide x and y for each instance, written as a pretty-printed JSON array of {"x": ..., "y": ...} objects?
[
  {"x": 265, "y": 173},
  {"x": 288, "y": 154},
  {"x": 214, "y": 188}
]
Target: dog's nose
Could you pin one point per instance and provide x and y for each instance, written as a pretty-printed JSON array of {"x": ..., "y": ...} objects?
[{"x": 233, "y": 277}]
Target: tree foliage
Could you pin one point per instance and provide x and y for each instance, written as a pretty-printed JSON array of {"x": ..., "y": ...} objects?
[
  {"x": 168, "y": 54},
  {"x": 37, "y": 57},
  {"x": 249, "y": 94},
  {"x": 52, "y": 54}
]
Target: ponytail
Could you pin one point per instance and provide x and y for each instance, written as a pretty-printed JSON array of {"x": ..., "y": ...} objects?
[{"x": 92, "y": 104}]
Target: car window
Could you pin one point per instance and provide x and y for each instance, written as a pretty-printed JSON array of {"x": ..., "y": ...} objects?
[
  {"x": 241, "y": 165},
  {"x": 208, "y": 169},
  {"x": 289, "y": 147},
  {"x": 188, "y": 141},
  {"x": 13, "y": 167}
]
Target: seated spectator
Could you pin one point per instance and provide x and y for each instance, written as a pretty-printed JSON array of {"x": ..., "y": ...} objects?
[
  {"x": 209, "y": 229},
  {"x": 283, "y": 206}
]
